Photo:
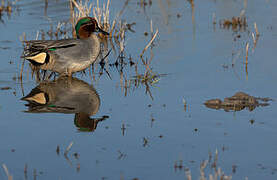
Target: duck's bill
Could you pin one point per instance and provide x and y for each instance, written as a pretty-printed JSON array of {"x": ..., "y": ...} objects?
[{"x": 103, "y": 32}]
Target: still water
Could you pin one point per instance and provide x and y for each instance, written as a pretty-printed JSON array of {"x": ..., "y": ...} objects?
[{"x": 124, "y": 133}]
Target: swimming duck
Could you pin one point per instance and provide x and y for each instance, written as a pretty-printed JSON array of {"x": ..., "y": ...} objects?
[{"x": 68, "y": 55}]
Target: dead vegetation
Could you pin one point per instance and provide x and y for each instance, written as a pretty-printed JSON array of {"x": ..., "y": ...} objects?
[
  {"x": 116, "y": 41},
  {"x": 10, "y": 177},
  {"x": 236, "y": 24},
  {"x": 212, "y": 163},
  {"x": 245, "y": 37},
  {"x": 6, "y": 7}
]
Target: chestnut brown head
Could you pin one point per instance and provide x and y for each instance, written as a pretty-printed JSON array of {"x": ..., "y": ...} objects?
[{"x": 86, "y": 26}]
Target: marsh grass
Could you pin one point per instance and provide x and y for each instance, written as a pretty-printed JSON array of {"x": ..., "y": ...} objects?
[
  {"x": 239, "y": 25},
  {"x": 211, "y": 163},
  {"x": 118, "y": 29}
]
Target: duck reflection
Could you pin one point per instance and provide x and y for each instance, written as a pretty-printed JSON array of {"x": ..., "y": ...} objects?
[{"x": 69, "y": 96}]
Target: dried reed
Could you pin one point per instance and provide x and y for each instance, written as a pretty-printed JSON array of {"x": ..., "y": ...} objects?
[
  {"x": 246, "y": 57},
  {"x": 150, "y": 42},
  {"x": 7, "y": 172},
  {"x": 68, "y": 148},
  {"x": 256, "y": 29}
]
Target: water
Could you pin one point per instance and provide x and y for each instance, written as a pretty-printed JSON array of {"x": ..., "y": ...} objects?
[{"x": 145, "y": 138}]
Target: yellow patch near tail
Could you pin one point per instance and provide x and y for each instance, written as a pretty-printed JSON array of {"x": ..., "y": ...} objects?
[
  {"x": 39, "y": 58},
  {"x": 38, "y": 98}
]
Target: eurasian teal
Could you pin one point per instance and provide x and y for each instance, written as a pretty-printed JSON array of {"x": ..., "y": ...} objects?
[{"x": 68, "y": 55}]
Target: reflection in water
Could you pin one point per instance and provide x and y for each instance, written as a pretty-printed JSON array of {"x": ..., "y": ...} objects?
[
  {"x": 67, "y": 96},
  {"x": 237, "y": 102}
]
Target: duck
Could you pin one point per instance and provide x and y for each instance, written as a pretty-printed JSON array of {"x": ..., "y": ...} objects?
[{"x": 67, "y": 56}]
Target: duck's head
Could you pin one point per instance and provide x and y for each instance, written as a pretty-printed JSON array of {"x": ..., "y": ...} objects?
[{"x": 86, "y": 26}]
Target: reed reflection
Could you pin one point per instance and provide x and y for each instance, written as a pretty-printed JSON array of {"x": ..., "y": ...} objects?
[{"x": 68, "y": 96}]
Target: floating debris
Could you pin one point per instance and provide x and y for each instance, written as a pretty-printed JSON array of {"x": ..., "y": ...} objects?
[{"x": 237, "y": 102}]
